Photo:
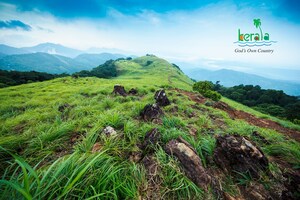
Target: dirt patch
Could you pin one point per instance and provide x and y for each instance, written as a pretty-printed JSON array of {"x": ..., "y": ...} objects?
[
  {"x": 193, "y": 96},
  {"x": 152, "y": 189},
  {"x": 253, "y": 120},
  {"x": 218, "y": 122},
  {"x": 67, "y": 147},
  {"x": 238, "y": 114},
  {"x": 147, "y": 158},
  {"x": 288, "y": 176}
]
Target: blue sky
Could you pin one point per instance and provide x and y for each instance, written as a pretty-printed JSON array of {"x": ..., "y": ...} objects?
[{"x": 199, "y": 33}]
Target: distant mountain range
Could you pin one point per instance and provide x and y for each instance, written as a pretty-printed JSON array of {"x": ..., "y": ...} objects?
[
  {"x": 230, "y": 78},
  {"x": 51, "y": 58},
  {"x": 51, "y": 48},
  {"x": 55, "y": 59},
  {"x": 8, "y": 50}
]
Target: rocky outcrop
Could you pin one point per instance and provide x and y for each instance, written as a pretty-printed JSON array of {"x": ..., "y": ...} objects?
[
  {"x": 119, "y": 90},
  {"x": 151, "y": 139},
  {"x": 236, "y": 153},
  {"x": 151, "y": 112},
  {"x": 161, "y": 98},
  {"x": 190, "y": 161}
]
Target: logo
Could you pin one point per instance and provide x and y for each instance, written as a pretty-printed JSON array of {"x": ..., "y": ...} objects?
[{"x": 254, "y": 39}]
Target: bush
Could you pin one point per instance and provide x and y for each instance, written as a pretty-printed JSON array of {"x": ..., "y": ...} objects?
[
  {"x": 206, "y": 89},
  {"x": 203, "y": 86},
  {"x": 212, "y": 95}
]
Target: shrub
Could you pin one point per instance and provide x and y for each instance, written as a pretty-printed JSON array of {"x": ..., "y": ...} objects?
[
  {"x": 212, "y": 95},
  {"x": 106, "y": 70},
  {"x": 206, "y": 89},
  {"x": 203, "y": 86}
]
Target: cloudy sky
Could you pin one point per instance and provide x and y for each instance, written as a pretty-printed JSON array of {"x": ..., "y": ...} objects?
[{"x": 197, "y": 32}]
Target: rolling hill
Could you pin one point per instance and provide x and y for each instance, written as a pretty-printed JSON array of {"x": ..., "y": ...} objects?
[
  {"x": 41, "y": 62},
  {"x": 8, "y": 50},
  {"x": 74, "y": 138},
  {"x": 230, "y": 78},
  {"x": 52, "y": 63}
]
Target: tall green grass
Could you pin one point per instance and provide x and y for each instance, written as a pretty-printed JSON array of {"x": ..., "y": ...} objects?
[{"x": 78, "y": 176}]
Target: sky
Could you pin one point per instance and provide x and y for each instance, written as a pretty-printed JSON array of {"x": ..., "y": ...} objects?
[{"x": 193, "y": 33}]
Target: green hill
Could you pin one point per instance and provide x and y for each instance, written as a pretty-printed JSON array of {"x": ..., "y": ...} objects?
[
  {"x": 52, "y": 63},
  {"x": 55, "y": 145},
  {"x": 41, "y": 62}
]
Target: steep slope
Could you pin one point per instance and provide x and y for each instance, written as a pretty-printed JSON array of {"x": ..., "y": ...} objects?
[
  {"x": 231, "y": 78},
  {"x": 61, "y": 127}
]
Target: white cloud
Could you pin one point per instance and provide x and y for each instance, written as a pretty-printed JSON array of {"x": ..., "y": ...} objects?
[{"x": 205, "y": 33}]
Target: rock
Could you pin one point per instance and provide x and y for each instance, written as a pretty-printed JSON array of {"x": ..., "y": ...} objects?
[
  {"x": 133, "y": 91},
  {"x": 157, "y": 121},
  {"x": 161, "y": 98},
  {"x": 151, "y": 112},
  {"x": 63, "y": 107},
  {"x": 229, "y": 197},
  {"x": 96, "y": 147},
  {"x": 110, "y": 131},
  {"x": 119, "y": 89},
  {"x": 292, "y": 183},
  {"x": 257, "y": 192},
  {"x": 190, "y": 161},
  {"x": 151, "y": 139},
  {"x": 236, "y": 153}
]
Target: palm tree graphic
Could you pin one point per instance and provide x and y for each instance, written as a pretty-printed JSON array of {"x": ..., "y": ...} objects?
[{"x": 257, "y": 24}]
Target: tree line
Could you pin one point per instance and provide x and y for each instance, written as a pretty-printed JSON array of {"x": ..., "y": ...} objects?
[
  {"x": 106, "y": 70},
  {"x": 11, "y": 78},
  {"x": 273, "y": 102}
]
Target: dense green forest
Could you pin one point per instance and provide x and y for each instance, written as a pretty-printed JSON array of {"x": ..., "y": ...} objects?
[
  {"x": 273, "y": 102},
  {"x": 11, "y": 78}
]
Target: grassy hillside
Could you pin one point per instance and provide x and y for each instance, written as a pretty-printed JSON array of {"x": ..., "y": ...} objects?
[{"x": 54, "y": 126}]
